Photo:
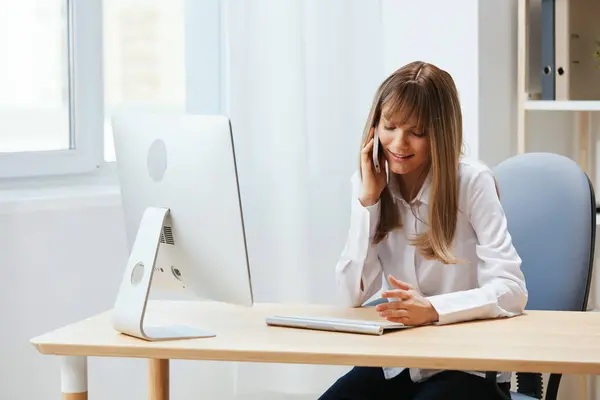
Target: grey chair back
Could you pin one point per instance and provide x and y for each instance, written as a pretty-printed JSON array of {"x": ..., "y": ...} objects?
[{"x": 551, "y": 212}]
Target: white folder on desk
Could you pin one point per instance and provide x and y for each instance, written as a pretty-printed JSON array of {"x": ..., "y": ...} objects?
[{"x": 369, "y": 327}]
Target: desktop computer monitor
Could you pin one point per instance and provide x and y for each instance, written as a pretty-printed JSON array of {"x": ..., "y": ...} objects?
[{"x": 183, "y": 216}]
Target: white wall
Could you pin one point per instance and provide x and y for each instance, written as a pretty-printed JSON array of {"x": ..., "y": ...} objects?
[
  {"x": 478, "y": 48},
  {"x": 425, "y": 32},
  {"x": 64, "y": 263}
]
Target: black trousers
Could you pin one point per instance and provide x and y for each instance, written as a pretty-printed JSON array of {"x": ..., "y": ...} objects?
[{"x": 363, "y": 383}]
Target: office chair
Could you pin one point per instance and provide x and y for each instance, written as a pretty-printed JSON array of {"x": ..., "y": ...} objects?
[
  {"x": 551, "y": 212},
  {"x": 550, "y": 208}
]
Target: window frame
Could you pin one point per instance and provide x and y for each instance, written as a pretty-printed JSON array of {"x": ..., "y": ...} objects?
[{"x": 86, "y": 98}]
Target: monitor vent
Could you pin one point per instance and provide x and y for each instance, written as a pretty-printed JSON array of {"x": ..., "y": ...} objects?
[{"x": 166, "y": 236}]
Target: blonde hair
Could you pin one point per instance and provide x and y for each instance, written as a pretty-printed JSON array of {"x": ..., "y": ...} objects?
[{"x": 427, "y": 95}]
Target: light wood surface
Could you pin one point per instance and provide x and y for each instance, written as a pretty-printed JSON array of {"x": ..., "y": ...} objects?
[
  {"x": 539, "y": 341},
  {"x": 158, "y": 379},
  {"x": 562, "y": 50},
  {"x": 523, "y": 67},
  {"x": 586, "y": 157},
  {"x": 560, "y": 105},
  {"x": 75, "y": 396}
]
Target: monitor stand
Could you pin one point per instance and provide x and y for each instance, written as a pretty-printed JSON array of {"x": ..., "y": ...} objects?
[{"x": 132, "y": 299}]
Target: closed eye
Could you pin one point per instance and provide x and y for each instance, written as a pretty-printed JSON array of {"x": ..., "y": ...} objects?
[{"x": 411, "y": 131}]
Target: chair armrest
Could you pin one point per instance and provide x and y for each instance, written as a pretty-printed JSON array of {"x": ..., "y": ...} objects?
[
  {"x": 490, "y": 376},
  {"x": 553, "y": 384}
]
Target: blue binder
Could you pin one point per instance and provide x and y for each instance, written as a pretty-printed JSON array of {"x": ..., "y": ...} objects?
[{"x": 548, "y": 62}]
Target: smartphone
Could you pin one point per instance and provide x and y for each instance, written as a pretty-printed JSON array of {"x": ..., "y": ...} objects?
[{"x": 376, "y": 152}]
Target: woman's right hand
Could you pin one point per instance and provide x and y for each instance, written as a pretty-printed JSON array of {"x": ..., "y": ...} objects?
[{"x": 373, "y": 182}]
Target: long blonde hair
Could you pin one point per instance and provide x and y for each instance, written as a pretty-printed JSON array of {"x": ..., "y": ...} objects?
[{"x": 426, "y": 94}]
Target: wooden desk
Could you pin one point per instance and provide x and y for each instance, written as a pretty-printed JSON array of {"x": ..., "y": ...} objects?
[{"x": 539, "y": 341}]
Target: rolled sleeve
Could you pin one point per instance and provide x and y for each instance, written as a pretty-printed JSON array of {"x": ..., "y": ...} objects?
[{"x": 359, "y": 261}]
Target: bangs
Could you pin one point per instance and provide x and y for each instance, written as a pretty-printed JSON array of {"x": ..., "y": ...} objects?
[{"x": 408, "y": 105}]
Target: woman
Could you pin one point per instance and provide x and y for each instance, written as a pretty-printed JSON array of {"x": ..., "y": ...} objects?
[{"x": 432, "y": 225}]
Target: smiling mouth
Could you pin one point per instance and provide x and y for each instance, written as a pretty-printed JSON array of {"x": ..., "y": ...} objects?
[{"x": 400, "y": 156}]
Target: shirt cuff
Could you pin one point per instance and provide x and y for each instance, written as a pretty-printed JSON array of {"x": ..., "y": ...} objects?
[
  {"x": 459, "y": 306},
  {"x": 372, "y": 208},
  {"x": 373, "y": 212}
]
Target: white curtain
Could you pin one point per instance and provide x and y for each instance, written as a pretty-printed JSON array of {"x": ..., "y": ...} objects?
[{"x": 300, "y": 78}]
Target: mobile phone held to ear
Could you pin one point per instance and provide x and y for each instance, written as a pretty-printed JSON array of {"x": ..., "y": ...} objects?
[{"x": 376, "y": 152}]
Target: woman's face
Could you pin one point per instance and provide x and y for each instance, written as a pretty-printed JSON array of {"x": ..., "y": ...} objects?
[{"x": 406, "y": 149}]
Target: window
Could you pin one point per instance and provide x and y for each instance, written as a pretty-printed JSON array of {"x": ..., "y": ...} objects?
[
  {"x": 68, "y": 65},
  {"x": 144, "y": 63},
  {"x": 34, "y": 76},
  {"x": 47, "y": 123}
]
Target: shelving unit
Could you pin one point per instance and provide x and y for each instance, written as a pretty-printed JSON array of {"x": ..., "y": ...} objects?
[
  {"x": 562, "y": 105},
  {"x": 576, "y": 72},
  {"x": 577, "y": 77}
]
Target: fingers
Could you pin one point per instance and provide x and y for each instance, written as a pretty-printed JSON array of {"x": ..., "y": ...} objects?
[
  {"x": 395, "y": 311},
  {"x": 367, "y": 158},
  {"x": 397, "y": 294},
  {"x": 401, "y": 320},
  {"x": 394, "y": 314},
  {"x": 393, "y": 305},
  {"x": 368, "y": 147},
  {"x": 369, "y": 143},
  {"x": 371, "y": 134},
  {"x": 398, "y": 284}
]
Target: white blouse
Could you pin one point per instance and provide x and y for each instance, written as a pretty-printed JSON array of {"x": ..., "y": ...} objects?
[{"x": 489, "y": 285}]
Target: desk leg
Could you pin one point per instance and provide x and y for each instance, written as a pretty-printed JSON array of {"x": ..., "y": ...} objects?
[
  {"x": 73, "y": 377},
  {"x": 158, "y": 379}
]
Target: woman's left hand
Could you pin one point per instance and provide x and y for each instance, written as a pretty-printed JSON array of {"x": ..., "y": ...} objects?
[{"x": 406, "y": 305}]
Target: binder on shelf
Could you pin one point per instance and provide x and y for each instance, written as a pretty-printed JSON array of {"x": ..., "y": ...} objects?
[
  {"x": 577, "y": 50},
  {"x": 547, "y": 50},
  {"x": 562, "y": 49}
]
